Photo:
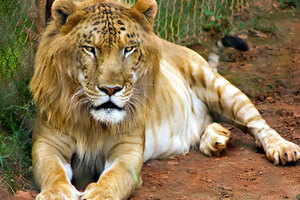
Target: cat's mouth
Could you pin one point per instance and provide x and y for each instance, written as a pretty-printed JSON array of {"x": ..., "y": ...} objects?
[{"x": 107, "y": 106}]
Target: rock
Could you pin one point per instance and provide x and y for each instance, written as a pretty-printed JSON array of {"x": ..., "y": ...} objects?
[
  {"x": 270, "y": 99},
  {"x": 296, "y": 113}
]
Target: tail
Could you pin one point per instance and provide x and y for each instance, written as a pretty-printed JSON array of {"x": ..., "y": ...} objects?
[{"x": 227, "y": 41}]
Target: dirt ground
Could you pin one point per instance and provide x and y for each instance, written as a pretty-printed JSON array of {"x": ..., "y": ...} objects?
[{"x": 270, "y": 75}]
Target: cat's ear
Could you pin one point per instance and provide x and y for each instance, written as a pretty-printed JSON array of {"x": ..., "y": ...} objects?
[
  {"x": 148, "y": 8},
  {"x": 61, "y": 11}
]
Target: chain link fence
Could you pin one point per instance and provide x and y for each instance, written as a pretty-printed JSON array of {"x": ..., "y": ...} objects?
[
  {"x": 183, "y": 21},
  {"x": 180, "y": 21},
  {"x": 18, "y": 35}
]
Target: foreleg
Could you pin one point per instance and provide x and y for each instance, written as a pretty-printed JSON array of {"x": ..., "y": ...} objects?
[
  {"x": 51, "y": 170},
  {"x": 229, "y": 104},
  {"x": 122, "y": 171}
]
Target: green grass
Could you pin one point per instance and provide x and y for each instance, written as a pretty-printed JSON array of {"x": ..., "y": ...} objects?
[
  {"x": 258, "y": 23},
  {"x": 290, "y": 3},
  {"x": 16, "y": 122},
  {"x": 16, "y": 107}
]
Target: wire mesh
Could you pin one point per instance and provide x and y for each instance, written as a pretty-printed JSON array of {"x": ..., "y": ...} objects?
[
  {"x": 183, "y": 21},
  {"x": 17, "y": 35}
]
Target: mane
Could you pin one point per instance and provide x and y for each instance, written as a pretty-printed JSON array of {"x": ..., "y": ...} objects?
[{"x": 61, "y": 101}]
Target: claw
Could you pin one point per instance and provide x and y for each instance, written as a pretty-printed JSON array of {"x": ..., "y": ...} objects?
[
  {"x": 214, "y": 140},
  {"x": 276, "y": 158},
  {"x": 283, "y": 152}
]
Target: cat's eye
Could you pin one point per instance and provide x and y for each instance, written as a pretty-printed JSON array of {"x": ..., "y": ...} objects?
[
  {"x": 128, "y": 51},
  {"x": 90, "y": 50}
]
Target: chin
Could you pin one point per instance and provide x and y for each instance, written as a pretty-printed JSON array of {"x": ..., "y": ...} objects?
[{"x": 109, "y": 115}]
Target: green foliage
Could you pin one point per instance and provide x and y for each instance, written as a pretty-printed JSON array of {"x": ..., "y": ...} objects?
[
  {"x": 16, "y": 122},
  {"x": 290, "y": 3},
  {"x": 264, "y": 25},
  {"x": 16, "y": 108},
  {"x": 261, "y": 24}
]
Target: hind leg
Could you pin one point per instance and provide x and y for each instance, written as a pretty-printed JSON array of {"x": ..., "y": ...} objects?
[{"x": 214, "y": 139}]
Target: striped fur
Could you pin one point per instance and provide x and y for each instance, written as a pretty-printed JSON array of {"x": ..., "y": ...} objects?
[{"x": 111, "y": 95}]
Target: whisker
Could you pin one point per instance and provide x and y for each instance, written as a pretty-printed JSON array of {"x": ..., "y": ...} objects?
[
  {"x": 79, "y": 91},
  {"x": 139, "y": 101},
  {"x": 140, "y": 94}
]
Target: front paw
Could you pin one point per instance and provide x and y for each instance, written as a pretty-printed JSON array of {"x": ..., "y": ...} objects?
[
  {"x": 282, "y": 152},
  {"x": 95, "y": 191},
  {"x": 59, "y": 192},
  {"x": 214, "y": 139}
]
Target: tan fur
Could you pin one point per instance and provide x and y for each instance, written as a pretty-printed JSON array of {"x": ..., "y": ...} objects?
[{"x": 67, "y": 84}]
